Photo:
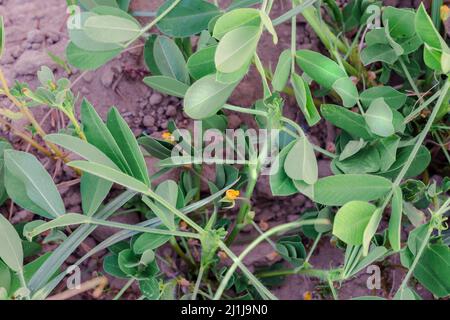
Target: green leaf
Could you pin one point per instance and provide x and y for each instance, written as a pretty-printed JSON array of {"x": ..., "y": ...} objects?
[
  {"x": 110, "y": 174},
  {"x": 65, "y": 220},
  {"x": 281, "y": 75},
  {"x": 150, "y": 288},
  {"x": 347, "y": 90},
  {"x": 352, "y": 148},
  {"x": 91, "y": 4},
  {"x": 301, "y": 163},
  {"x": 392, "y": 97},
  {"x": 202, "y": 63},
  {"x": 148, "y": 55},
  {"x": 305, "y": 100},
  {"x": 399, "y": 21},
  {"x": 170, "y": 60},
  {"x": 365, "y": 161},
  {"x": 128, "y": 262},
  {"x": 188, "y": 18},
  {"x": 4, "y": 145},
  {"x": 93, "y": 191},
  {"x": 5, "y": 277},
  {"x": 319, "y": 68},
  {"x": 167, "y": 85},
  {"x": 406, "y": 293},
  {"x": 433, "y": 269},
  {"x": 88, "y": 60},
  {"x": 111, "y": 29},
  {"x": 111, "y": 266},
  {"x": 237, "y": 48},
  {"x": 206, "y": 96},
  {"x": 349, "y": 121},
  {"x": 148, "y": 241},
  {"x": 80, "y": 147},
  {"x": 268, "y": 25},
  {"x": 245, "y": 17},
  {"x": 157, "y": 148},
  {"x": 395, "y": 222},
  {"x": 242, "y": 3},
  {"x": 371, "y": 229},
  {"x": 29, "y": 185},
  {"x": 378, "y": 52},
  {"x": 351, "y": 220},
  {"x": 280, "y": 183},
  {"x": 398, "y": 49},
  {"x": 128, "y": 145},
  {"x": 97, "y": 134},
  {"x": 340, "y": 189},
  {"x": 10, "y": 245},
  {"x": 417, "y": 237},
  {"x": 292, "y": 250},
  {"x": 426, "y": 30},
  {"x": 379, "y": 118},
  {"x": 80, "y": 35},
  {"x": 432, "y": 58},
  {"x": 387, "y": 148},
  {"x": 2, "y": 36},
  {"x": 419, "y": 164},
  {"x": 234, "y": 77},
  {"x": 374, "y": 255},
  {"x": 169, "y": 191}
]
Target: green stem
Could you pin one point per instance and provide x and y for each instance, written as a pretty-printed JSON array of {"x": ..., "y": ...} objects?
[
  {"x": 416, "y": 259},
  {"x": 243, "y": 211},
  {"x": 256, "y": 242},
  {"x": 416, "y": 112},
  {"x": 198, "y": 282},
  {"x": 314, "y": 246},
  {"x": 411, "y": 81},
  {"x": 154, "y": 22},
  {"x": 124, "y": 288},
  {"x": 418, "y": 144},
  {"x": 265, "y": 293},
  {"x": 442, "y": 145},
  {"x": 314, "y": 273},
  {"x": 144, "y": 229}
]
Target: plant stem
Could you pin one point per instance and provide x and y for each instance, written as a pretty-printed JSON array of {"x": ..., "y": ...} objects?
[
  {"x": 243, "y": 211},
  {"x": 425, "y": 104},
  {"x": 24, "y": 110},
  {"x": 254, "y": 244},
  {"x": 410, "y": 79},
  {"x": 124, "y": 288},
  {"x": 333, "y": 290},
  {"x": 179, "y": 251},
  {"x": 25, "y": 137},
  {"x": 313, "y": 247},
  {"x": 198, "y": 282},
  {"x": 315, "y": 273},
  {"x": 442, "y": 145},
  {"x": 424, "y": 244},
  {"x": 258, "y": 285},
  {"x": 143, "y": 229},
  {"x": 154, "y": 22}
]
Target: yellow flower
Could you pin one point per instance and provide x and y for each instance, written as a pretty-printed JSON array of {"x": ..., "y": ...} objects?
[
  {"x": 307, "y": 295},
  {"x": 232, "y": 194},
  {"x": 168, "y": 137},
  {"x": 445, "y": 12}
]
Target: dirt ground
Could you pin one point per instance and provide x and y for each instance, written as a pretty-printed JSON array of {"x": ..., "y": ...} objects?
[{"x": 34, "y": 28}]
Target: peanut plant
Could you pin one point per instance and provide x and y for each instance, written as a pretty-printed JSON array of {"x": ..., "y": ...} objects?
[{"x": 381, "y": 78}]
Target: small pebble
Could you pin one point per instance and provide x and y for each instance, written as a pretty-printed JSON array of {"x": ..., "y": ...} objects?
[{"x": 155, "y": 99}]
